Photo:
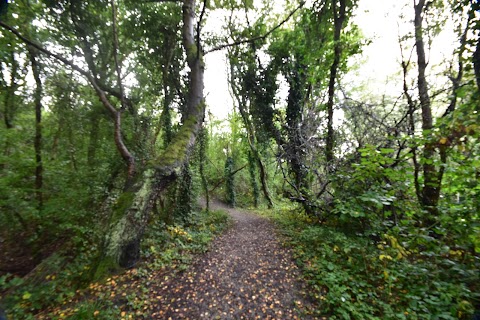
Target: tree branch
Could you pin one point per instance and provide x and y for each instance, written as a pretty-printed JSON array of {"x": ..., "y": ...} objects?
[
  {"x": 199, "y": 26},
  {"x": 115, "y": 54},
  {"x": 252, "y": 40},
  {"x": 223, "y": 179},
  {"x": 123, "y": 150}
]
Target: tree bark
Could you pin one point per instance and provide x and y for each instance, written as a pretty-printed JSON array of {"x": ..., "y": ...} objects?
[
  {"x": 294, "y": 148},
  {"x": 476, "y": 63},
  {"x": 131, "y": 213},
  {"x": 339, "y": 17},
  {"x": 258, "y": 158},
  {"x": 9, "y": 101},
  {"x": 202, "y": 151},
  {"x": 431, "y": 183},
  {"x": 38, "y": 128}
]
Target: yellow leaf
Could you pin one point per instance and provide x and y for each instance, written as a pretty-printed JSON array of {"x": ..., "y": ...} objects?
[
  {"x": 26, "y": 295},
  {"x": 96, "y": 313},
  {"x": 443, "y": 140}
]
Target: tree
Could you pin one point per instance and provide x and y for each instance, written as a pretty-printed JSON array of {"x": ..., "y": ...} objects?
[
  {"x": 38, "y": 128},
  {"x": 142, "y": 186},
  {"x": 430, "y": 167},
  {"x": 241, "y": 95}
]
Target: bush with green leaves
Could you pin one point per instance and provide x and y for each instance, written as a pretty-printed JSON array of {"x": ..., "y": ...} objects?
[{"x": 400, "y": 276}]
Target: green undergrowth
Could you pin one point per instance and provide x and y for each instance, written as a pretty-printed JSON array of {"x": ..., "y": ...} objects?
[
  {"x": 351, "y": 276},
  {"x": 166, "y": 249}
]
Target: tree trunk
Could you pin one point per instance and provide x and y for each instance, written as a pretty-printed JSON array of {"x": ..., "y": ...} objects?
[
  {"x": 130, "y": 214},
  {"x": 38, "y": 128},
  {"x": 339, "y": 18},
  {"x": 476, "y": 63},
  {"x": 202, "y": 151},
  {"x": 431, "y": 184},
  {"x": 253, "y": 178},
  {"x": 294, "y": 147},
  {"x": 258, "y": 158},
  {"x": 9, "y": 103}
]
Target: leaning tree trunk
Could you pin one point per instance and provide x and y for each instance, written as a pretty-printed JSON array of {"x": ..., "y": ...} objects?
[{"x": 130, "y": 214}]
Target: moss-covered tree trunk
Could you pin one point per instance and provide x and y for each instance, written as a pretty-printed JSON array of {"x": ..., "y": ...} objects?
[{"x": 130, "y": 214}]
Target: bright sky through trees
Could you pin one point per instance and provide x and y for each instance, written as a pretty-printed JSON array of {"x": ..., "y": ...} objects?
[{"x": 378, "y": 67}]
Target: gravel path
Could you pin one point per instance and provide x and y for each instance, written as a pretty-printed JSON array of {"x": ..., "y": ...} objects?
[{"x": 247, "y": 274}]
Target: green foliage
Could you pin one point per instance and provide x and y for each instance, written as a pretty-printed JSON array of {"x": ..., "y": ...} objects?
[
  {"x": 53, "y": 283},
  {"x": 377, "y": 255},
  {"x": 230, "y": 181},
  {"x": 60, "y": 281},
  {"x": 167, "y": 245},
  {"x": 353, "y": 277},
  {"x": 231, "y": 4},
  {"x": 253, "y": 179},
  {"x": 185, "y": 196},
  {"x": 373, "y": 193}
]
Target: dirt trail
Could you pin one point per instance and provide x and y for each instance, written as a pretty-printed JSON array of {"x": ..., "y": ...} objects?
[{"x": 246, "y": 274}]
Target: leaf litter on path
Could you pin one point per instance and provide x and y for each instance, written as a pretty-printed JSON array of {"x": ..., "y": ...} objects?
[{"x": 247, "y": 274}]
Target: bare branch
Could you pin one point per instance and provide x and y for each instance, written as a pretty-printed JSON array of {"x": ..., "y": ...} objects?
[{"x": 262, "y": 37}]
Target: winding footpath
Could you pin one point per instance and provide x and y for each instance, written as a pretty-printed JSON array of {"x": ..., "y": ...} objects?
[{"x": 246, "y": 274}]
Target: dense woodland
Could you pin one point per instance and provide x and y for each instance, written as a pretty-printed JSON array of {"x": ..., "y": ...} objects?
[{"x": 107, "y": 143}]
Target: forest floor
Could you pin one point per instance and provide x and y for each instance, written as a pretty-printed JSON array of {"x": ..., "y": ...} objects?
[{"x": 246, "y": 274}]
